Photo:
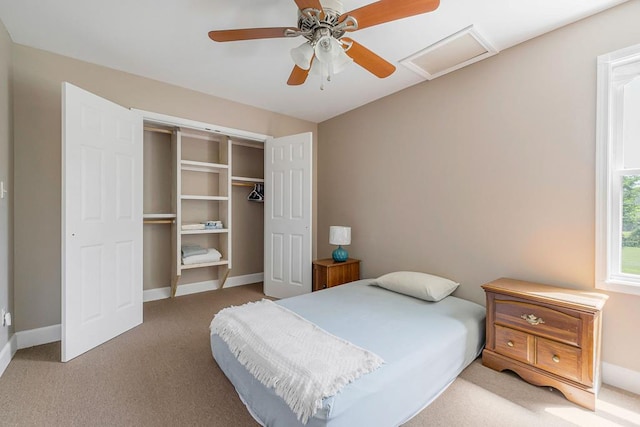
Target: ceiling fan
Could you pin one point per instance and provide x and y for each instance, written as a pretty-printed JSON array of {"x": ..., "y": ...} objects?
[{"x": 324, "y": 25}]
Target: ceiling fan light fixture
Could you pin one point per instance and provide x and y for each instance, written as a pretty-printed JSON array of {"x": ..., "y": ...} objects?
[
  {"x": 327, "y": 49},
  {"x": 302, "y": 55},
  {"x": 341, "y": 61},
  {"x": 330, "y": 59},
  {"x": 324, "y": 24}
]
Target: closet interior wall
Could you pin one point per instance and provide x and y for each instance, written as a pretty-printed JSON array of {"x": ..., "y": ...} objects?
[
  {"x": 248, "y": 216},
  {"x": 159, "y": 193}
]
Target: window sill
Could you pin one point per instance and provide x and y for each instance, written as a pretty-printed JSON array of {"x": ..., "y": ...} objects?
[{"x": 619, "y": 286}]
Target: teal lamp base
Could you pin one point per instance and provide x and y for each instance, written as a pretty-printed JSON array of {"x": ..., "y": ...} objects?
[{"x": 340, "y": 254}]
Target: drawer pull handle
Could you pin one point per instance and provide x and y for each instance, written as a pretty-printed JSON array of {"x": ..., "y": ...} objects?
[
  {"x": 532, "y": 319},
  {"x": 510, "y": 343},
  {"x": 555, "y": 359}
]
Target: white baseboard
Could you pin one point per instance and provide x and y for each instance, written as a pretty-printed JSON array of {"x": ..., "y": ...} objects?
[
  {"x": 7, "y": 352},
  {"x": 247, "y": 279},
  {"x": 53, "y": 333},
  {"x": 620, "y": 377},
  {"x": 194, "y": 288},
  {"x": 33, "y": 337},
  {"x": 156, "y": 294},
  {"x": 613, "y": 375}
]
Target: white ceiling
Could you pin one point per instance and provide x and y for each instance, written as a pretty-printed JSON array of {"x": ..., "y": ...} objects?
[{"x": 167, "y": 40}]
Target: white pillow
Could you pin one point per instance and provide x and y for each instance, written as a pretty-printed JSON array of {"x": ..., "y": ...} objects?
[{"x": 420, "y": 285}]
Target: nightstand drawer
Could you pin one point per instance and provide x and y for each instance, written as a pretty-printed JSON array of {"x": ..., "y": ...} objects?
[
  {"x": 538, "y": 320},
  {"x": 515, "y": 344},
  {"x": 560, "y": 359}
]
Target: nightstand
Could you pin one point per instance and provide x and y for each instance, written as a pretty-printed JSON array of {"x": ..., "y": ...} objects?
[
  {"x": 328, "y": 273},
  {"x": 548, "y": 336}
]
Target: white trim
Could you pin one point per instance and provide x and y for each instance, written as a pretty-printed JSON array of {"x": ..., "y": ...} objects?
[
  {"x": 193, "y": 124},
  {"x": 620, "y": 377},
  {"x": 156, "y": 294},
  {"x": 53, "y": 333},
  {"x": 621, "y": 287},
  {"x": 612, "y": 375},
  {"x": 39, "y": 336},
  {"x": 609, "y": 171},
  {"x": 602, "y": 174},
  {"x": 7, "y": 353},
  {"x": 197, "y": 287},
  {"x": 194, "y": 288},
  {"x": 247, "y": 279}
]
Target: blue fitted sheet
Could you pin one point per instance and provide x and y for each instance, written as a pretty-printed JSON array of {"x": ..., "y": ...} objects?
[{"x": 425, "y": 346}]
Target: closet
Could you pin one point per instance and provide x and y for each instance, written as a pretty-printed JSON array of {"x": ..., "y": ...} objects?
[
  {"x": 202, "y": 190},
  {"x": 137, "y": 187}
]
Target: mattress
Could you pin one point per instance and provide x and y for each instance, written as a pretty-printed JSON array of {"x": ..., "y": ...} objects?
[{"x": 425, "y": 346}]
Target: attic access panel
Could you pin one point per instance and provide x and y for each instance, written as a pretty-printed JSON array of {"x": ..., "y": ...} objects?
[{"x": 449, "y": 54}]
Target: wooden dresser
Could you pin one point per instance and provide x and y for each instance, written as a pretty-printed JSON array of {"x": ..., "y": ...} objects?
[
  {"x": 549, "y": 336},
  {"x": 328, "y": 273}
]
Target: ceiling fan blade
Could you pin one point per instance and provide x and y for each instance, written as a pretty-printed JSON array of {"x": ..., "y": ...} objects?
[
  {"x": 248, "y": 34},
  {"x": 298, "y": 76},
  {"x": 309, "y": 4},
  {"x": 369, "y": 60},
  {"x": 389, "y": 10}
]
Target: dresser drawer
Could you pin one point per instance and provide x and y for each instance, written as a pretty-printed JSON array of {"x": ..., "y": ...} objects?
[
  {"x": 515, "y": 344},
  {"x": 549, "y": 336},
  {"x": 560, "y": 359},
  {"x": 539, "y": 320}
]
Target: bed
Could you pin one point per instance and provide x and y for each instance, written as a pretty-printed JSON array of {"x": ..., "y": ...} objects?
[{"x": 425, "y": 345}]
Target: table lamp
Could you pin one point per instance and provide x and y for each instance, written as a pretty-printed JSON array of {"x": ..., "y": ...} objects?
[{"x": 339, "y": 235}]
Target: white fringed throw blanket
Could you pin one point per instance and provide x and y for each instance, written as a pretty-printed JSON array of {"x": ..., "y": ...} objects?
[{"x": 286, "y": 352}]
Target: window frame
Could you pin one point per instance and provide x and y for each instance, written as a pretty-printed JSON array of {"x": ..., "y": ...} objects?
[{"x": 610, "y": 170}]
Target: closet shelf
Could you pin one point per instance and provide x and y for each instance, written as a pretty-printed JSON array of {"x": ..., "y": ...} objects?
[
  {"x": 213, "y": 231},
  {"x": 203, "y": 135},
  {"x": 158, "y": 216},
  {"x": 158, "y": 130},
  {"x": 192, "y": 197},
  {"x": 158, "y": 221},
  {"x": 246, "y": 179},
  {"x": 206, "y": 264},
  {"x": 190, "y": 165},
  {"x": 250, "y": 144}
]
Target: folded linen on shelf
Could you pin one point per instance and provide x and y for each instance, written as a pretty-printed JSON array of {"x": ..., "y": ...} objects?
[
  {"x": 212, "y": 255},
  {"x": 193, "y": 226},
  {"x": 191, "y": 250}
]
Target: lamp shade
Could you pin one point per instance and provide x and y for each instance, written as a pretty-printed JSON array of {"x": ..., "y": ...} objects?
[
  {"x": 339, "y": 235},
  {"x": 341, "y": 61},
  {"x": 302, "y": 55}
]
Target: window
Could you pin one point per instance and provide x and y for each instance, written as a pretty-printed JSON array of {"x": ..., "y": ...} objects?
[{"x": 618, "y": 172}]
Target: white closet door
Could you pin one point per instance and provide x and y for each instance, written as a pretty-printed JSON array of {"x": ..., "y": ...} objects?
[
  {"x": 287, "y": 266},
  {"x": 101, "y": 221}
]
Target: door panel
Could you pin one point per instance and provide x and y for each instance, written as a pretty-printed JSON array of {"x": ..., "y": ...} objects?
[
  {"x": 101, "y": 221},
  {"x": 288, "y": 218}
]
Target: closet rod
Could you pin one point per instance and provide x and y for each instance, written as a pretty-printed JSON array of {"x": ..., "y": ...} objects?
[
  {"x": 159, "y": 130},
  {"x": 242, "y": 184}
]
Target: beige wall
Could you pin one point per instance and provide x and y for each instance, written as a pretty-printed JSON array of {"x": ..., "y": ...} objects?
[
  {"x": 6, "y": 226},
  {"x": 37, "y": 115},
  {"x": 483, "y": 173}
]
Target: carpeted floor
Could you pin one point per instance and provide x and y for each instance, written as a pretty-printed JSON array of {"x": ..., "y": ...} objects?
[{"x": 162, "y": 374}]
